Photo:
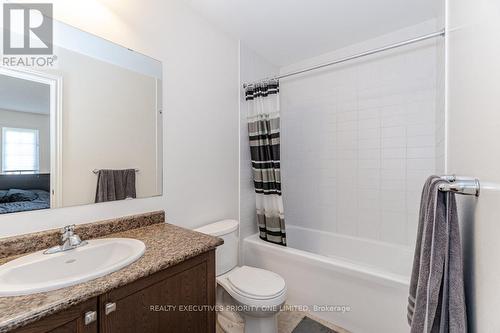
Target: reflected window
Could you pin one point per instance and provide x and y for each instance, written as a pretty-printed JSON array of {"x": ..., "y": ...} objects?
[{"x": 20, "y": 151}]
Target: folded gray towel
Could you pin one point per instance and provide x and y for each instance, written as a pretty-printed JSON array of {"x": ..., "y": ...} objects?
[
  {"x": 436, "y": 303},
  {"x": 115, "y": 185}
]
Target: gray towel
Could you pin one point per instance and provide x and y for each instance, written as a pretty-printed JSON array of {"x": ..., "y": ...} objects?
[
  {"x": 115, "y": 185},
  {"x": 437, "y": 300}
]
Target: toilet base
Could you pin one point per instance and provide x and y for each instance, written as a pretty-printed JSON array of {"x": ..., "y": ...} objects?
[{"x": 267, "y": 324}]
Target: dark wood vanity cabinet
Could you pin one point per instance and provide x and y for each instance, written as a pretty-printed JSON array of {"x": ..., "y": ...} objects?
[
  {"x": 178, "y": 299},
  {"x": 173, "y": 300}
]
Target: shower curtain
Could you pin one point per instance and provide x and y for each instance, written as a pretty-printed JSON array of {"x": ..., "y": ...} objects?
[{"x": 264, "y": 137}]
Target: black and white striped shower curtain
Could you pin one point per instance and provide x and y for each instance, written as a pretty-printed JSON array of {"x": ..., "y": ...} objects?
[{"x": 264, "y": 135}]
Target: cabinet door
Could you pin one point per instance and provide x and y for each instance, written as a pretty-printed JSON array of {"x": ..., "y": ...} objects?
[
  {"x": 178, "y": 300},
  {"x": 71, "y": 320}
]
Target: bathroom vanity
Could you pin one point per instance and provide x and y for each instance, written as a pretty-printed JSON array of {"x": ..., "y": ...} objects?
[
  {"x": 170, "y": 289},
  {"x": 145, "y": 305}
]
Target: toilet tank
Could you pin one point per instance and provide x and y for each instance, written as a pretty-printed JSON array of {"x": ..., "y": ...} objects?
[{"x": 226, "y": 255}]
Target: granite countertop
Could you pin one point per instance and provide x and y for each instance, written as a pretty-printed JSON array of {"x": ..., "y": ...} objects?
[{"x": 166, "y": 246}]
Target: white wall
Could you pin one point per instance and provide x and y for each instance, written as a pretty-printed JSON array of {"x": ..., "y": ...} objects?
[
  {"x": 441, "y": 92},
  {"x": 358, "y": 140},
  {"x": 201, "y": 111},
  {"x": 252, "y": 68},
  {"x": 41, "y": 122},
  {"x": 473, "y": 137}
]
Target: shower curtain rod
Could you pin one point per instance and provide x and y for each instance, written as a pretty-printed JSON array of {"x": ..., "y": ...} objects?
[{"x": 359, "y": 55}]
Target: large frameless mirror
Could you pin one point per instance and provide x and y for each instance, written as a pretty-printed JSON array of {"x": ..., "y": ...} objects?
[{"x": 86, "y": 129}]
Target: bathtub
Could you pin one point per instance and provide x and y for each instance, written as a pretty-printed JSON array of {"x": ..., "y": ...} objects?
[{"x": 359, "y": 284}]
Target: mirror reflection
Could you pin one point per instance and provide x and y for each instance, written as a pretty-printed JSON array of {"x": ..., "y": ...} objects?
[{"x": 86, "y": 130}]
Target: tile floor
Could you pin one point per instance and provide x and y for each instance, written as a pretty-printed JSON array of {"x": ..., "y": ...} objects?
[{"x": 288, "y": 320}]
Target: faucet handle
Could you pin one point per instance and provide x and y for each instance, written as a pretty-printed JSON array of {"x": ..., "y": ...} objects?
[{"x": 69, "y": 228}]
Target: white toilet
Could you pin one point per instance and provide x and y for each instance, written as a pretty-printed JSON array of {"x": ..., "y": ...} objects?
[{"x": 248, "y": 298}]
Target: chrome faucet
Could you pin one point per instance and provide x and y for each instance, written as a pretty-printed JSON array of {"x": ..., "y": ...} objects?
[{"x": 69, "y": 241}]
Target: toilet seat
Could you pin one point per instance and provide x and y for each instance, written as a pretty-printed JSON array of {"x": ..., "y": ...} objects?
[
  {"x": 254, "y": 286},
  {"x": 256, "y": 283}
]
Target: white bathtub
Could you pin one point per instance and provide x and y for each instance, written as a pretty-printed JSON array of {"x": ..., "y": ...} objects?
[{"x": 369, "y": 279}]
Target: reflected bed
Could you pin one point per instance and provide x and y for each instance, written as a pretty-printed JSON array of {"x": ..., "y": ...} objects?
[
  {"x": 41, "y": 200},
  {"x": 20, "y": 193}
]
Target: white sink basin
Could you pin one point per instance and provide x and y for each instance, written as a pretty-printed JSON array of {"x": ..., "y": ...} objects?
[{"x": 38, "y": 272}]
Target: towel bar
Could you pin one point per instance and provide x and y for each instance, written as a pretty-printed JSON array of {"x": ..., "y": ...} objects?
[
  {"x": 460, "y": 186},
  {"x": 96, "y": 171}
]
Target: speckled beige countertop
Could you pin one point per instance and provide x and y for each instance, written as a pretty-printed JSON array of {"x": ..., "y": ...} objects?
[{"x": 166, "y": 246}]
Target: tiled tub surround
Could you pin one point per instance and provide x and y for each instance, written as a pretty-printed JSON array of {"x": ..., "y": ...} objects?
[
  {"x": 166, "y": 246},
  {"x": 360, "y": 139}
]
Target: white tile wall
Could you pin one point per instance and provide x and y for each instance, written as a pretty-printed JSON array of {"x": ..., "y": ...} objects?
[{"x": 358, "y": 142}]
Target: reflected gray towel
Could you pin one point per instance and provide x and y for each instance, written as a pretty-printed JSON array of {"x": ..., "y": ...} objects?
[
  {"x": 436, "y": 303},
  {"x": 115, "y": 185}
]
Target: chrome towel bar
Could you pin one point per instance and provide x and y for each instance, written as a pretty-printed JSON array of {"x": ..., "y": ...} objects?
[
  {"x": 460, "y": 185},
  {"x": 96, "y": 171}
]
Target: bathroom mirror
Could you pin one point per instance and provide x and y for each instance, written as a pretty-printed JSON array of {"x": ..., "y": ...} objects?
[{"x": 87, "y": 128}]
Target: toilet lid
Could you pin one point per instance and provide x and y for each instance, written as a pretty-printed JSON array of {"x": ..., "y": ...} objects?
[{"x": 256, "y": 283}]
